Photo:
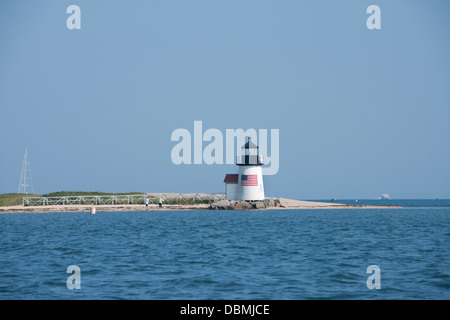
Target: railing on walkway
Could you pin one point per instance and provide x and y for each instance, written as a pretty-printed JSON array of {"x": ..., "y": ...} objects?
[{"x": 153, "y": 198}]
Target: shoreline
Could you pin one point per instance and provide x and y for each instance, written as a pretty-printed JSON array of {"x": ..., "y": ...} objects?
[{"x": 286, "y": 204}]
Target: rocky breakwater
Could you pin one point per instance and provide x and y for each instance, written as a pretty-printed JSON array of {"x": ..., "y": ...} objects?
[
  {"x": 244, "y": 205},
  {"x": 273, "y": 203}
]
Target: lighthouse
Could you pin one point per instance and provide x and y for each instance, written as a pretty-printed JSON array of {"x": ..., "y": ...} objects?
[{"x": 250, "y": 181}]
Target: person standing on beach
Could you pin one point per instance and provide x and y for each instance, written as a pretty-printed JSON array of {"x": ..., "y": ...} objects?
[
  {"x": 146, "y": 201},
  {"x": 160, "y": 202}
]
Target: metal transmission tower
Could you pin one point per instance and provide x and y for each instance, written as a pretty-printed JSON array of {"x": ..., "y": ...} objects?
[{"x": 25, "y": 177}]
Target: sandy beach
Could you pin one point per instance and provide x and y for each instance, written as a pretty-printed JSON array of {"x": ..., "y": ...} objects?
[{"x": 286, "y": 204}]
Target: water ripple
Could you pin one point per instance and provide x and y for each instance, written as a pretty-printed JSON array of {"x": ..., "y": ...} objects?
[{"x": 308, "y": 254}]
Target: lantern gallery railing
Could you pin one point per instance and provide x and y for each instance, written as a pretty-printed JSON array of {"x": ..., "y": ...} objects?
[{"x": 153, "y": 198}]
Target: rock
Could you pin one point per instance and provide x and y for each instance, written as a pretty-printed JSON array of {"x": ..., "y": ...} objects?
[
  {"x": 231, "y": 205},
  {"x": 220, "y": 205},
  {"x": 242, "y": 205},
  {"x": 277, "y": 202},
  {"x": 269, "y": 202},
  {"x": 283, "y": 203},
  {"x": 258, "y": 205}
]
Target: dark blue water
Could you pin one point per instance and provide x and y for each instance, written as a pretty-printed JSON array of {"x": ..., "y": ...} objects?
[{"x": 276, "y": 254}]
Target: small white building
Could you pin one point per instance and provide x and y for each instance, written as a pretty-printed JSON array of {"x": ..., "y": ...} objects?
[
  {"x": 231, "y": 186},
  {"x": 248, "y": 183}
]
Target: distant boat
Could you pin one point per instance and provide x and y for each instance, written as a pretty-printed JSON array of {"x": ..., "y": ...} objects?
[{"x": 385, "y": 196}]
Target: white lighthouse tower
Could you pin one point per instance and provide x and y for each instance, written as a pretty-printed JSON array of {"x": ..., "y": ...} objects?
[{"x": 250, "y": 180}]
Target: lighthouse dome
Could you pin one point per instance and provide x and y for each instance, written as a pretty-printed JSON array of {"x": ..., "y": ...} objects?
[{"x": 249, "y": 144}]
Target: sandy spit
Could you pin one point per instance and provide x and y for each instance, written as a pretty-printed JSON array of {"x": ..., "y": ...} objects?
[{"x": 287, "y": 204}]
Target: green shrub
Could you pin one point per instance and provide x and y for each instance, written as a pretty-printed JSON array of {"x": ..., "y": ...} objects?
[{"x": 14, "y": 199}]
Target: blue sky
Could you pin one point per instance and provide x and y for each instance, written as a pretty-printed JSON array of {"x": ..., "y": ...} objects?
[{"x": 360, "y": 112}]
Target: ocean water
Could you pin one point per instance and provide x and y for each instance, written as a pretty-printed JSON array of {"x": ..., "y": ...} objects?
[{"x": 269, "y": 254}]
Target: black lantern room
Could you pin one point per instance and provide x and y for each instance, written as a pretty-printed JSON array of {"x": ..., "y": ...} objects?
[{"x": 250, "y": 155}]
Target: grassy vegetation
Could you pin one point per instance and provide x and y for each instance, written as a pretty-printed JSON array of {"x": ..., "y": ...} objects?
[
  {"x": 85, "y": 193},
  {"x": 14, "y": 199}
]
